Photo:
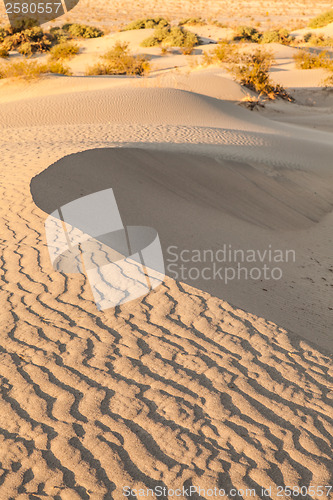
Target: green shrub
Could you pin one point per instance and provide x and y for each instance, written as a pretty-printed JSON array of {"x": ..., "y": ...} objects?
[
  {"x": 3, "y": 34},
  {"x": 119, "y": 61},
  {"x": 82, "y": 30},
  {"x": 252, "y": 71},
  {"x": 27, "y": 49},
  {"x": 3, "y": 51},
  {"x": 307, "y": 37},
  {"x": 247, "y": 34},
  {"x": 31, "y": 69},
  {"x": 224, "y": 51},
  {"x": 147, "y": 23},
  {"x": 64, "y": 50},
  {"x": 171, "y": 37},
  {"x": 22, "y": 25},
  {"x": 322, "y": 20},
  {"x": 270, "y": 37},
  {"x": 318, "y": 40},
  {"x": 59, "y": 35},
  {"x": 277, "y": 36},
  {"x": 305, "y": 59},
  {"x": 29, "y": 41},
  {"x": 193, "y": 21},
  {"x": 57, "y": 67}
]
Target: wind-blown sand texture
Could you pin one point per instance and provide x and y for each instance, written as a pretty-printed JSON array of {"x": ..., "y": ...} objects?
[{"x": 180, "y": 388}]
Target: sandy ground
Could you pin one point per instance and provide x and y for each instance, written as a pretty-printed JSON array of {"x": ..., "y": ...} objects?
[
  {"x": 116, "y": 13},
  {"x": 180, "y": 388}
]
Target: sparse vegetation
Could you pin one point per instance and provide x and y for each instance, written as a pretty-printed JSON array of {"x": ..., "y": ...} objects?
[
  {"x": 29, "y": 41},
  {"x": 3, "y": 34},
  {"x": 317, "y": 40},
  {"x": 57, "y": 67},
  {"x": 252, "y": 71},
  {"x": 304, "y": 59},
  {"x": 147, "y": 23},
  {"x": 22, "y": 25},
  {"x": 247, "y": 34},
  {"x": 252, "y": 102},
  {"x": 250, "y": 34},
  {"x": 328, "y": 82},
  {"x": 171, "y": 37},
  {"x": 119, "y": 61},
  {"x": 217, "y": 23},
  {"x": 277, "y": 36},
  {"x": 193, "y": 21},
  {"x": 82, "y": 30},
  {"x": 59, "y": 35},
  {"x": 65, "y": 50},
  {"x": 31, "y": 69},
  {"x": 3, "y": 51},
  {"x": 322, "y": 20},
  {"x": 223, "y": 53}
]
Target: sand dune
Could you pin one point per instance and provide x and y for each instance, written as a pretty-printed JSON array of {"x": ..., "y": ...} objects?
[{"x": 180, "y": 388}]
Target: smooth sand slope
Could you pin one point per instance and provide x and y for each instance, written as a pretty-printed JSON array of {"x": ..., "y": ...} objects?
[{"x": 180, "y": 388}]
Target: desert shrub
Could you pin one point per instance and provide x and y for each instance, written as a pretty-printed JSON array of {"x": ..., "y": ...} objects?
[
  {"x": 171, "y": 37},
  {"x": 318, "y": 40},
  {"x": 328, "y": 82},
  {"x": 20, "y": 69},
  {"x": 147, "y": 23},
  {"x": 252, "y": 71},
  {"x": 193, "y": 21},
  {"x": 3, "y": 34},
  {"x": 304, "y": 59},
  {"x": 22, "y": 25},
  {"x": 277, "y": 36},
  {"x": 307, "y": 37},
  {"x": 155, "y": 39},
  {"x": 217, "y": 23},
  {"x": 64, "y": 50},
  {"x": 31, "y": 69},
  {"x": 247, "y": 34},
  {"x": 207, "y": 59},
  {"x": 3, "y": 51},
  {"x": 29, "y": 41},
  {"x": 59, "y": 35},
  {"x": 27, "y": 49},
  {"x": 82, "y": 30},
  {"x": 224, "y": 51},
  {"x": 57, "y": 67},
  {"x": 322, "y": 20},
  {"x": 270, "y": 37},
  {"x": 119, "y": 61},
  {"x": 187, "y": 51},
  {"x": 252, "y": 102}
]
